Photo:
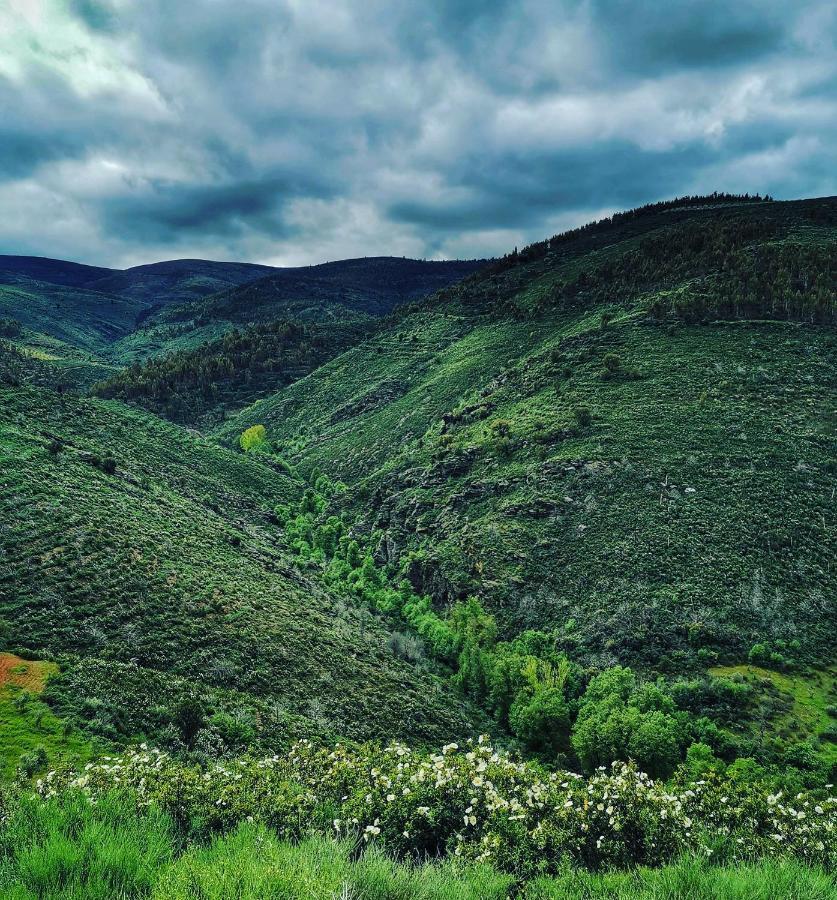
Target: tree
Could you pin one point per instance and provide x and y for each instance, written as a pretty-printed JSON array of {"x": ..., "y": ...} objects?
[
  {"x": 252, "y": 437},
  {"x": 618, "y": 720},
  {"x": 542, "y": 721}
]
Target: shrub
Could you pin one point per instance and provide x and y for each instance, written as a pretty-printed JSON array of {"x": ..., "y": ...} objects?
[
  {"x": 32, "y": 762},
  {"x": 475, "y": 802},
  {"x": 612, "y": 363},
  {"x": 501, "y": 428},
  {"x": 583, "y": 416},
  {"x": 542, "y": 722}
]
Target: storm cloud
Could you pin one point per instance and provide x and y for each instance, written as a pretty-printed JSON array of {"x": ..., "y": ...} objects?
[{"x": 294, "y": 131}]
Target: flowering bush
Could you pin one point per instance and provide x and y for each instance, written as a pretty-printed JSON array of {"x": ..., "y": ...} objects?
[{"x": 474, "y": 802}]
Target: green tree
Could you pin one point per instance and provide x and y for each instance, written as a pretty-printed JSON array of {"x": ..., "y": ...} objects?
[
  {"x": 252, "y": 437},
  {"x": 542, "y": 721},
  {"x": 620, "y": 721}
]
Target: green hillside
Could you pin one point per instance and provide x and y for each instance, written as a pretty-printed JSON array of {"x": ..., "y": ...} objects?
[
  {"x": 525, "y": 588},
  {"x": 146, "y": 560},
  {"x": 626, "y": 435},
  {"x": 88, "y": 320},
  {"x": 199, "y": 385},
  {"x": 205, "y": 359}
]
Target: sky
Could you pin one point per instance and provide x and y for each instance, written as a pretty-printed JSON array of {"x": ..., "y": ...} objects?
[{"x": 292, "y": 132}]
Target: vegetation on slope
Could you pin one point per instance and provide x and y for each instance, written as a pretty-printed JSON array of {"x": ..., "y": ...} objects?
[
  {"x": 32, "y": 737},
  {"x": 85, "y": 319},
  {"x": 588, "y": 461},
  {"x": 204, "y": 364},
  {"x": 145, "y": 560},
  {"x": 371, "y": 286},
  {"x": 191, "y": 386},
  {"x": 613, "y": 447},
  {"x": 476, "y": 804},
  {"x": 535, "y": 689}
]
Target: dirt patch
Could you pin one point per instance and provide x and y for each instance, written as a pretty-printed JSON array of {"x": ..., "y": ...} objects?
[{"x": 26, "y": 674}]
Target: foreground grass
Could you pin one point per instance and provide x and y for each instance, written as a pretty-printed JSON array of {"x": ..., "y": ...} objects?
[
  {"x": 68, "y": 848},
  {"x": 29, "y": 730}
]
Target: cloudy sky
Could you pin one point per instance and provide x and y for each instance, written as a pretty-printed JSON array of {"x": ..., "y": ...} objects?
[{"x": 296, "y": 131}]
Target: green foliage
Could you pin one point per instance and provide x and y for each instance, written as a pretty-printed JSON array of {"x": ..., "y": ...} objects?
[
  {"x": 110, "y": 851},
  {"x": 583, "y": 416},
  {"x": 252, "y": 438},
  {"x": 170, "y": 580},
  {"x": 691, "y": 879},
  {"x": 612, "y": 363},
  {"x": 66, "y": 847},
  {"x": 542, "y": 720},
  {"x": 601, "y": 523},
  {"x": 9, "y": 328},
  {"x": 199, "y": 383},
  {"x": 619, "y": 720},
  {"x": 477, "y": 803}
]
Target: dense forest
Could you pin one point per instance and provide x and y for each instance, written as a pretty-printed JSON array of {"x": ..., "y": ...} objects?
[{"x": 201, "y": 383}]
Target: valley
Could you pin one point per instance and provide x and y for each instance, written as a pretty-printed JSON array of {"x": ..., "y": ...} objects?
[{"x": 578, "y": 500}]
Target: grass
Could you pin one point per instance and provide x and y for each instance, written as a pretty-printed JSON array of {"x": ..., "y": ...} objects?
[
  {"x": 64, "y": 848},
  {"x": 29, "y": 726},
  {"x": 795, "y": 704},
  {"x": 67, "y": 850},
  {"x": 692, "y": 879}
]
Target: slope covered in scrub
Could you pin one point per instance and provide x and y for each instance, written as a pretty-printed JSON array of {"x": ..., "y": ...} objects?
[
  {"x": 145, "y": 559},
  {"x": 624, "y": 435}
]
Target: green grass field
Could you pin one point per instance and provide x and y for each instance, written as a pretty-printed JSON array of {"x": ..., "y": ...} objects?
[{"x": 66, "y": 849}]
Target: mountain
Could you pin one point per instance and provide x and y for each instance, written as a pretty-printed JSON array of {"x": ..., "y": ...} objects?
[
  {"x": 580, "y": 498},
  {"x": 83, "y": 324},
  {"x": 370, "y": 285},
  {"x": 214, "y": 356},
  {"x": 624, "y": 435},
  {"x": 148, "y": 561},
  {"x": 176, "y": 281},
  {"x": 52, "y": 271}
]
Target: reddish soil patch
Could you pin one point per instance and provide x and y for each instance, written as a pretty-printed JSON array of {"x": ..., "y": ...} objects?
[{"x": 26, "y": 674}]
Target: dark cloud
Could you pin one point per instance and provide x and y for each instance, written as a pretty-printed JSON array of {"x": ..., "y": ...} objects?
[
  {"x": 95, "y": 14},
  {"x": 643, "y": 36},
  {"x": 162, "y": 211},
  {"x": 292, "y": 132}
]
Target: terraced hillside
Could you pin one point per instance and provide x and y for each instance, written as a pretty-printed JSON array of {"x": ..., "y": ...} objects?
[
  {"x": 626, "y": 434},
  {"x": 215, "y": 356},
  {"x": 85, "y": 319},
  {"x": 146, "y": 561}
]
